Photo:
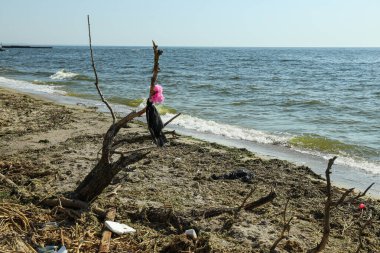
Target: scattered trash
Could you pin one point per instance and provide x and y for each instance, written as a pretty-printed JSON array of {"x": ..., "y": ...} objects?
[
  {"x": 362, "y": 206},
  {"x": 177, "y": 160},
  {"x": 48, "y": 249},
  {"x": 191, "y": 233},
  {"x": 242, "y": 174},
  {"x": 62, "y": 250},
  {"x": 51, "y": 224},
  {"x": 52, "y": 249},
  {"x": 118, "y": 228}
]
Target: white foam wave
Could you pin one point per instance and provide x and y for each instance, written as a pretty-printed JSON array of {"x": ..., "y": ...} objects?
[
  {"x": 229, "y": 131},
  {"x": 355, "y": 162},
  {"x": 238, "y": 133},
  {"x": 63, "y": 74},
  {"x": 27, "y": 86}
]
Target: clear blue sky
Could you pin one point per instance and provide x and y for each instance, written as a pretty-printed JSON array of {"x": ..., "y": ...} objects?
[{"x": 268, "y": 23}]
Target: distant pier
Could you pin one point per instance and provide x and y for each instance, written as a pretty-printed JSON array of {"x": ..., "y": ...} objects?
[{"x": 17, "y": 46}]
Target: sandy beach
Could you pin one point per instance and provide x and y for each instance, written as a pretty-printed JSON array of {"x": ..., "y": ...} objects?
[{"x": 47, "y": 149}]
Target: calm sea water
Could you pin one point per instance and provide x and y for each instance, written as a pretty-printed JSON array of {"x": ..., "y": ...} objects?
[{"x": 319, "y": 101}]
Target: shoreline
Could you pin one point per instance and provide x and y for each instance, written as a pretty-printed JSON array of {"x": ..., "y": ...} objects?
[
  {"x": 343, "y": 175},
  {"x": 47, "y": 148}
]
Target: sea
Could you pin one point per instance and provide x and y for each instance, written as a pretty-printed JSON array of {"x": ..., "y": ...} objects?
[{"x": 304, "y": 105}]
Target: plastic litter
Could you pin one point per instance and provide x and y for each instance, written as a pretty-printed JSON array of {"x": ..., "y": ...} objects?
[
  {"x": 243, "y": 174},
  {"x": 52, "y": 249},
  {"x": 51, "y": 224},
  {"x": 191, "y": 233},
  {"x": 48, "y": 249},
  {"x": 62, "y": 250},
  {"x": 119, "y": 228}
]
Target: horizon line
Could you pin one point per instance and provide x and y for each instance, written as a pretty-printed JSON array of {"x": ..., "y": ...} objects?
[{"x": 183, "y": 46}]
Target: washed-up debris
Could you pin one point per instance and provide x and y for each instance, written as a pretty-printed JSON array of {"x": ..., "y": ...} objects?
[
  {"x": 48, "y": 225},
  {"x": 62, "y": 250},
  {"x": 243, "y": 174},
  {"x": 52, "y": 249},
  {"x": 191, "y": 233},
  {"x": 119, "y": 228},
  {"x": 48, "y": 249}
]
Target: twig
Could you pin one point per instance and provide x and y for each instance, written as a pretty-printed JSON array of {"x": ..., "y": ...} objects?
[
  {"x": 170, "y": 120},
  {"x": 209, "y": 213},
  {"x": 328, "y": 203},
  {"x": 106, "y": 235},
  {"x": 286, "y": 228},
  {"x": 9, "y": 182},
  {"x": 245, "y": 200},
  {"x": 255, "y": 204},
  {"x": 156, "y": 68},
  {"x": 343, "y": 197},
  {"x": 133, "y": 150},
  {"x": 96, "y": 75},
  {"x": 364, "y": 193},
  {"x": 229, "y": 223}
]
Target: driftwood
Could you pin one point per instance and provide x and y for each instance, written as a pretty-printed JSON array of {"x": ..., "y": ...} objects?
[
  {"x": 329, "y": 204},
  {"x": 65, "y": 202},
  {"x": 102, "y": 174},
  {"x": 8, "y": 182},
  {"x": 96, "y": 75},
  {"x": 106, "y": 235},
  {"x": 213, "y": 212}
]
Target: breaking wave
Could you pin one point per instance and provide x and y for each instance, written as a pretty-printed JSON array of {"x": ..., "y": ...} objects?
[
  {"x": 28, "y": 86},
  {"x": 67, "y": 75},
  {"x": 350, "y": 155}
]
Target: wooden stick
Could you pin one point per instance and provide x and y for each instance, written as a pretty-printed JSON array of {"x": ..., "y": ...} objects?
[
  {"x": 106, "y": 235},
  {"x": 250, "y": 206},
  {"x": 170, "y": 120},
  {"x": 9, "y": 182},
  {"x": 65, "y": 202},
  {"x": 328, "y": 203},
  {"x": 156, "y": 68},
  {"x": 245, "y": 200},
  {"x": 343, "y": 197},
  {"x": 209, "y": 213},
  {"x": 364, "y": 193},
  {"x": 96, "y": 75}
]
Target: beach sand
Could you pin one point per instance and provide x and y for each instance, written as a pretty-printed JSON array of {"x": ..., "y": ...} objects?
[{"x": 47, "y": 149}]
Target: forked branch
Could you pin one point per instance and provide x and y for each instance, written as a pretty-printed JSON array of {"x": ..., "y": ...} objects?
[{"x": 328, "y": 204}]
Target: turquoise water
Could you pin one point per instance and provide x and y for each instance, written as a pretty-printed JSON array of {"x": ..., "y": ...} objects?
[{"x": 318, "y": 101}]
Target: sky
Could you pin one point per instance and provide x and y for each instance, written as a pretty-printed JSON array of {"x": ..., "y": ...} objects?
[{"x": 221, "y": 23}]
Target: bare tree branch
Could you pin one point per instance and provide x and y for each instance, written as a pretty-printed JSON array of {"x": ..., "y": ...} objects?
[
  {"x": 213, "y": 212},
  {"x": 156, "y": 68},
  {"x": 104, "y": 246},
  {"x": 364, "y": 193},
  {"x": 328, "y": 203},
  {"x": 96, "y": 75},
  {"x": 343, "y": 197},
  {"x": 170, "y": 120}
]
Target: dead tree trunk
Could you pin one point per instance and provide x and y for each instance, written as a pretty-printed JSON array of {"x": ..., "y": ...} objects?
[{"x": 102, "y": 174}]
